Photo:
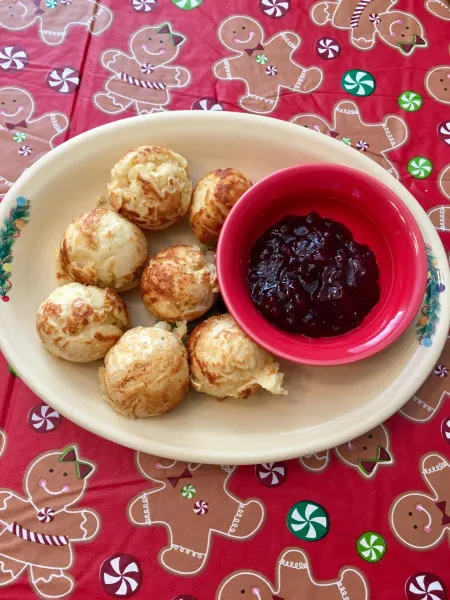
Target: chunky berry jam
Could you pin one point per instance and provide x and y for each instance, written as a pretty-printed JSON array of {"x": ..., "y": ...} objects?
[{"x": 307, "y": 275}]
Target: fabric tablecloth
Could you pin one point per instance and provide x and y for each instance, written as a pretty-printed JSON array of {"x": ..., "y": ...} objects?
[{"x": 83, "y": 518}]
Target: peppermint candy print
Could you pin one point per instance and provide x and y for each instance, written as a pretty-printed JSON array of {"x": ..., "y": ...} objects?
[
  {"x": 440, "y": 371},
  {"x": 147, "y": 68},
  {"x": 144, "y": 6},
  {"x": 444, "y": 132},
  {"x": 43, "y": 418},
  {"x": 46, "y": 515},
  {"x": 328, "y": 48},
  {"x": 420, "y": 167},
  {"x": 51, "y": 3},
  {"x": 308, "y": 521},
  {"x": 64, "y": 80},
  {"x": 358, "y": 83},
  {"x": 121, "y": 576},
  {"x": 374, "y": 18},
  {"x": 445, "y": 429},
  {"x": 371, "y": 546},
  {"x": 271, "y": 70},
  {"x": 347, "y": 141},
  {"x": 13, "y": 58},
  {"x": 19, "y": 137},
  {"x": 410, "y": 101},
  {"x": 425, "y": 586},
  {"x": 25, "y": 150},
  {"x": 207, "y": 104},
  {"x": 275, "y": 8},
  {"x": 262, "y": 59},
  {"x": 362, "y": 145},
  {"x": 187, "y": 4},
  {"x": 66, "y": 2},
  {"x": 188, "y": 491},
  {"x": 201, "y": 507},
  {"x": 271, "y": 474}
]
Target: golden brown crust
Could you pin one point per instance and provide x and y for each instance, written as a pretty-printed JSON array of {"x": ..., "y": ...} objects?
[{"x": 213, "y": 198}]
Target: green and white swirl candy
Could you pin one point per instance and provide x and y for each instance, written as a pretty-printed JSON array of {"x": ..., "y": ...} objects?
[
  {"x": 371, "y": 546},
  {"x": 187, "y": 4},
  {"x": 420, "y": 167},
  {"x": 358, "y": 83},
  {"x": 188, "y": 491},
  {"x": 410, "y": 101}
]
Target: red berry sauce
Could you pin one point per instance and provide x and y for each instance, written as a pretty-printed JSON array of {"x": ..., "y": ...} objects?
[{"x": 307, "y": 275}]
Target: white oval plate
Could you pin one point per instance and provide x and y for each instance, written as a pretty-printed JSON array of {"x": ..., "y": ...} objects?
[{"x": 325, "y": 406}]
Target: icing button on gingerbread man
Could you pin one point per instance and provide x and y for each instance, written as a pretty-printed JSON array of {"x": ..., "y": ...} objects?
[
  {"x": 368, "y": 20},
  {"x": 23, "y": 139},
  {"x": 39, "y": 528},
  {"x": 293, "y": 581},
  {"x": 204, "y": 507},
  {"x": 422, "y": 520},
  {"x": 265, "y": 66},
  {"x": 54, "y": 18},
  {"x": 143, "y": 79}
]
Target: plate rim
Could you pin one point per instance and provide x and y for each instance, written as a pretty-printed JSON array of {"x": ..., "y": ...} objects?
[{"x": 281, "y": 452}]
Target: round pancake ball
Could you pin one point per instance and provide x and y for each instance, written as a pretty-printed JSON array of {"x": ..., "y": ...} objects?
[
  {"x": 81, "y": 323},
  {"x": 180, "y": 283},
  {"x": 146, "y": 373},
  {"x": 225, "y": 362},
  {"x": 214, "y": 197},
  {"x": 150, "y": 186},
  {"x": 104, "y": 249}
]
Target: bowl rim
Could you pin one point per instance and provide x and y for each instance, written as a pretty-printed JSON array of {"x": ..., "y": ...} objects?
[{"x": 420, "y": 263}]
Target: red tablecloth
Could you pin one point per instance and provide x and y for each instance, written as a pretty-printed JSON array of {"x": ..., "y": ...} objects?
[{"x": 368, "y": 519}]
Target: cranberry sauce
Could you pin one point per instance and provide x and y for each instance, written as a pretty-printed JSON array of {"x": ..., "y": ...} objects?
[{"x": 307, "y": 275}]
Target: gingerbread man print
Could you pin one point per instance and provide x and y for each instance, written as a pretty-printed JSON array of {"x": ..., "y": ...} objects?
[
  {"x": 439, "y": 8},
  {"x": 366, "y": 453},
  {"x": 205, "y": 508},
  {"x": 367, "y": 20},
  {"x": 374, "y": 139},
  {"x": 293, "y": 581},
  {"x": 54, "y": 18},
  {"x": 38, "y": 529},
  {"x": 444, "y": 181},
  {"x": 437, "y": 83},
  {"x": 426, "y": 402},
  {"x": 143, "y": 79},
  {"x": 422, "y": 520},
  {"x": 265, "y": 66},
  {"x": 23, "y": 139}
]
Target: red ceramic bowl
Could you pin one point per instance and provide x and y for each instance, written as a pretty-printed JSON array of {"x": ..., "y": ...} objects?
[{"x": 375, "y": 216}]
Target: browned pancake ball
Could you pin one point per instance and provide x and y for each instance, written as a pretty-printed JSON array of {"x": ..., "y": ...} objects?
[
  {"x": 214, "y": 197},
  {"x": 180, "y": 283}
]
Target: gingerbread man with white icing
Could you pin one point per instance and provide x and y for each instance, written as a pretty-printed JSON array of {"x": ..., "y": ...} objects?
[
  {"x": 366, "y": 453},
  {"x": 439, "y": 8},
  {"x": 265, "y": 66},
  {"x": 193, "y": 503},
  {"x": 367, "y": 20},
  {"x": 54, "y": 17},
  {"x": 444, "y": 181},
  {"x": 374, "y": 139},
  {"x": 23, "y": 139},
  {"x": 143, "y": 79},
  {"x": 38, "y": 529},
  {"x": 426, "y": 402},
  {"x": 422, "y": 520},
  {"x": 294, "y": 581},
  {"x": 437, "y": 83}
]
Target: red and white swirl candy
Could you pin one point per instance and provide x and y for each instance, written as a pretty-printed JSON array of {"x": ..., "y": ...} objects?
[
  {"x": 147, "y": 68},
  {"x": 144, "y": 6},
  {"x": 207, "y": 104},
  {"x": 445, "y": 429},
  {"x": 362, "y": 146},
  {"x": 45, "y": 515},
  {"x": 64, "y": 80},
  {"x": 43, "y": 418},
  {"x": 66, "y": 2},
  {"x": 271, "y": 474},
  {"x": 444, "y": 132},
  {"x": 271, "y": 70},
  {"x": 121, "y": 576},
  {"x": 201, "y": 507},
  {"x": 328, "y": 48},
  {"x": 25, "y": 150},
  {"x": 275, "y": 8},
  {"x": 375, "y": 18},
  {"x": 440, "y": 371},
  {"x": 425, "y": 586},
  {"x": 13, "y": 58}
]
